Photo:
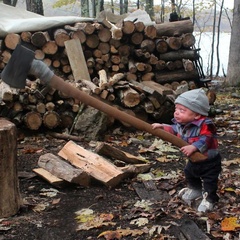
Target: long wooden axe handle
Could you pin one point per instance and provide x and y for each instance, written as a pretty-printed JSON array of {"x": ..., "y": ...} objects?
[{"x": 59, "y": 84}]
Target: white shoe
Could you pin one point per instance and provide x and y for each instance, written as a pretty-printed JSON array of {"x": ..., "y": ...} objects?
[
  {"x": 189, "y": 194},
  {"x": 205, "y": 205}
]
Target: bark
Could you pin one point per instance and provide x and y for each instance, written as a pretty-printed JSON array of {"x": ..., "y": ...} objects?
[
  {"x": 233, "y": 72},
  {"x": 10, "y": 198},
  {"x": 35, "y": 6}
]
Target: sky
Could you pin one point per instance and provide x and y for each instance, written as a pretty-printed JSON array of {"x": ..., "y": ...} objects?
[{"x": 227, "y": 3}]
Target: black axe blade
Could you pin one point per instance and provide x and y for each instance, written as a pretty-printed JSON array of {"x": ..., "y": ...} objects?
[{"x": 16, "y": 71}]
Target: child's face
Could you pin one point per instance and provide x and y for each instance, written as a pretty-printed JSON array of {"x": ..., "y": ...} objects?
[{"x": 184, "y": 115}]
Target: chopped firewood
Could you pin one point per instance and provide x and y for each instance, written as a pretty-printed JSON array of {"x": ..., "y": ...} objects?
[
  {"x": 135, "y": 169},
  {"x": 110, "y": 151},
  {"x": 53, "y": 180},
  {"x": 92, "y": 163},
  {"x": 62, "y": 169}
]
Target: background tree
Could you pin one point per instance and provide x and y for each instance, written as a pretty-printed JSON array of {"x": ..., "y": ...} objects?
[
  {"x": 10, "y": 2},
  {"x": 35, "y": 6},
  {"x": 233, "y": 72}
]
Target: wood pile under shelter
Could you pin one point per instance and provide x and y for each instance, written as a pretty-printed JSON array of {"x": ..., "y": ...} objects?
[{"x": 136, "y": 67}]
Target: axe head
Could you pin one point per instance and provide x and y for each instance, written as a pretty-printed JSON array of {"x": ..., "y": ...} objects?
[{"x": 16, "y": 71}]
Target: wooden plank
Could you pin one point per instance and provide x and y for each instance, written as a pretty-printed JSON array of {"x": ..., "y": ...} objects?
[
  {"x": 92, "y": 163},
  {"x": 63, "y": 170},
  {"x": 55, "y": 181},
  {"x": 77, "y": 59},
  {"x": 190, "y": 230},
  {"x": 148, "y": 190},
  {"x": 110, "y": 151}
]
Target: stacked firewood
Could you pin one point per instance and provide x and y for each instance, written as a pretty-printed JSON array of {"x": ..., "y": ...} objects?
[{"x": 136, "y": 68}]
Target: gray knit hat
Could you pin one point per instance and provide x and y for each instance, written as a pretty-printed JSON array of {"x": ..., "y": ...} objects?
[{"x": 196, "y": 100}]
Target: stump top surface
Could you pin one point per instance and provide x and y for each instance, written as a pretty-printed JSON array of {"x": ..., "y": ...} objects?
[{"x": 4, "y": 123}]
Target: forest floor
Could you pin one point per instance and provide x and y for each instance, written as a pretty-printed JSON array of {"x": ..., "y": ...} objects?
[{"x": 74, "y": 212}]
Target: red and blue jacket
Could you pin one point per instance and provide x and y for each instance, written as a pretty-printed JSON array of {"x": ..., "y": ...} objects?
[{"x": 201, "y": 133}]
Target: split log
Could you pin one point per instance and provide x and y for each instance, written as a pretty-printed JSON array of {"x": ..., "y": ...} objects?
[
  {"x": 103, "y": 80},
  {"x": 53, "y": 180},
  {"x": 91, "y": 163},
  {"x": 112, "y": 152},
  {"x": 115, "y": 78},
  {"x": 10, "y": 199},
  {"x": 76, "y": 56},
  {"x": 135, "y": 169},
  {"x": 63, "y": 170},
  {"x": 90, "y": 85}
]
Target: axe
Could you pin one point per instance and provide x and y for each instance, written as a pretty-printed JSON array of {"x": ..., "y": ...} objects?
[{"x": 22, "y": 63}]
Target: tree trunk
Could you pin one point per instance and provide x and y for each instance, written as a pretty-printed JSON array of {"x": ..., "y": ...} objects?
[
  {"x": 9, "y": 195},
  {"x": 35, "y": 6},
  {"x": 10, "y": 2},
  {"x": 233, "y": 72}
]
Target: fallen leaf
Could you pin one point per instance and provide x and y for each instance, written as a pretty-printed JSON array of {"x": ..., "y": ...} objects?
[
  {"x": 229, "y": 224},
  {"x": 139, "y": 221}
]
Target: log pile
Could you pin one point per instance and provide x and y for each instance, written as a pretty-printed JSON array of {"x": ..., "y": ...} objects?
[{"x": 134, "y": 67}]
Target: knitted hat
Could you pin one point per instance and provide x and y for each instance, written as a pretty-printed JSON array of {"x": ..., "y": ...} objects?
[{"x": 196, "y": 100}]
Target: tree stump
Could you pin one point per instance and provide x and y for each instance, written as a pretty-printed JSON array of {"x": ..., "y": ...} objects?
[{"x": 10, "y": 198}]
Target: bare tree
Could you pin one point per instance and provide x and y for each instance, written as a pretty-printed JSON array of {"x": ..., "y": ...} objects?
[
  {"x": 84, "y": 8},
  {"x": 162, "y": 10},
  {"x": 213, "y": 38},
  {"x": 233, "y": 72},
  {"x": 35, "y": 6},
  {"x": 149, "y": 8},
  {"x": 218, "y": 37},
  {"x": 10, "y": 2}
]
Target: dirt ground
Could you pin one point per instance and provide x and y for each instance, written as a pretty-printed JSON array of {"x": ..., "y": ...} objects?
[{"x": 120, "y": 213}]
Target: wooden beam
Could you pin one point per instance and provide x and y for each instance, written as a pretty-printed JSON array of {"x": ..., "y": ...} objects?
[{"x": 77, "y": 60}]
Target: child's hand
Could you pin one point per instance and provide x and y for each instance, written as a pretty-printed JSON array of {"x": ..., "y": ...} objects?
[
  {"x": 157, "y": 125},
  {"x": 188, "y": 150}
]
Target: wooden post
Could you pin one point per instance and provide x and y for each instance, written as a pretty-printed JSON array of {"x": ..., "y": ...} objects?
[{"x": 10, "y": 198}]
